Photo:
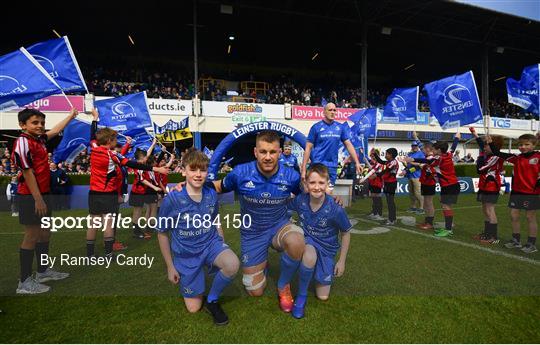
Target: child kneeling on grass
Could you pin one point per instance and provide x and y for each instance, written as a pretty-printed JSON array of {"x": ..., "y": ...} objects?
[
  {"x": 322, "y": 220},
  {"x": 195, "y": 244}
]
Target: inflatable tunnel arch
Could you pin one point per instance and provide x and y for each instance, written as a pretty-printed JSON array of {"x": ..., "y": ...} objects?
[{"x": 251, "y": 128}]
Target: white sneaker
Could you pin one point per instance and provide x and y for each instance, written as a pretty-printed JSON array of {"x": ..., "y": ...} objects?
[
  {"x": 370, "y": 216},
  {"x": 389, "y": 222},
  {"x": 31, "y": 287},
  {"x": 378, "y": 218},
  {"x": 50, "y": 274},
  {"x": 15, "y": 214}
]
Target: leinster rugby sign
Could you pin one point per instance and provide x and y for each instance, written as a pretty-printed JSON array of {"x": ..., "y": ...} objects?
[{"x": 250, "y": 129}]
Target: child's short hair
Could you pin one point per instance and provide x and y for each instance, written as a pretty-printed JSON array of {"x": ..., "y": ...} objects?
[
  {"x": 105, "y": 136},
  {"x": 151, "y": 160},
  {"x": 267, "y": 136},
  {"x": 376, "y": 152},
  {"x": 318, "y": 168},
  {"x": 528, "y": 137},
  {"x": 195, "y": 159},
  {"x": 287, "y": 144},
  {"x": 441, "y": 145},
  {"x": 27, "y": 113},
  {"x": 139, "y": 154},
  {"x": 497, "y": 141},
  {"x": 393, "y": 152}
]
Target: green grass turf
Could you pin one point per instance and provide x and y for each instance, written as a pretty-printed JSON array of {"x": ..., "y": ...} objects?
[{"x": 399, "y": 286}]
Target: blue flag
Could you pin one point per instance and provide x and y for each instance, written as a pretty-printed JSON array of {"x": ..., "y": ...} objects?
[
  {"x": 57, "y": 58},
  {"x": 171, "y": 126},
  {"x": 454, "y": 100},
  {"x": 141, "y": 140},
  {"x": 524, "y": 92},
  {"x": 23, "y": 80},
  {"x": 401, "y": 105},
  {"x": 76, "y": 137},
  {"x": 208, "y": 152},
  {"x": 365, "y": 127},
  {"x": 124, "y": 113}
]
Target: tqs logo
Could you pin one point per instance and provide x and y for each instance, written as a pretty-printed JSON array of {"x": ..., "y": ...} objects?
[
  {"x": 123, "y": 111},
  {"x": 502, "y": 123},
  {"x": 458, "y": 98},
  {"x": 47, "y": 64},
  {"x": 398, "y": 104},
  {"x": 10, "y": 85}
]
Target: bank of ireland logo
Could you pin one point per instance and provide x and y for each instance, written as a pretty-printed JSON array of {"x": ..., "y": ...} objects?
[
  {"x": 266, "y": 195},
  {"x": 398, "y": 104},
  {"x": 457, "y": 98},
  {"x": 122, "y": 111},
  {"x": 47, "y": 64},
  {"x": 10, "y": 85}
]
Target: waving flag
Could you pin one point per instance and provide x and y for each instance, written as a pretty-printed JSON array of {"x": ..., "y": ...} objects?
[
  {"x": 402, "y": 105},
  {"x": 141, "y": 140},
  {"x": 454, "y": 100},
  {"x": 125, "y": 113},
  {"x": 57, "y": 58},
  {"x": 173, "y": 131},
  {"x": 23, "y": 80},
  {"x": 365, "y": 127},
  {"x": 524, "y": 92},
  {"x": 208, "y": 152},
  {"x": 75, "y": 138}
]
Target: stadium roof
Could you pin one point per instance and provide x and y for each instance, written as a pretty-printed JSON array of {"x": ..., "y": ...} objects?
[{"x": 435, "y": 37}]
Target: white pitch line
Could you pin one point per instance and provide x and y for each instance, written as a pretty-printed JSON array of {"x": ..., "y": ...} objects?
[{"x": 464, "y": 244}]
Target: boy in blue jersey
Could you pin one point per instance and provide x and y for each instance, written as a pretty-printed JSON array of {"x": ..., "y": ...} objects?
[
  {"x": 322, "y": 220},
  {"x": 195, "y": 244},
  {"x": 324, "y": 139}
]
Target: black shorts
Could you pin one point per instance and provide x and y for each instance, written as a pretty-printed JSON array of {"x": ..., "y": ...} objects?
[
  {"x": 528, "y": 202},
  {"x": 427, "y": 190},
  {"x": 102, "y": 202},
  {"x": 487, "y": 197},
  {"x": 390, "y": 187},
  {"x": 150, "y": 197},
  {"x": 137, "y": 200},
  {"x": 374, "y": 190},
  {"x": 449, "y": 194},
  {"x": 27, "y": 209}
]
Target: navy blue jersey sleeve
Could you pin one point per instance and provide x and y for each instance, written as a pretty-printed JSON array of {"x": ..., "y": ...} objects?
[
  {"x": 341, "y": 220},
  {"x": 312, "y": 136},
  {"x": 292, "y": 204},
  {"x": 167, "y": 213},
  {"x": 230, "y": 182},
  {"x": 454, "y": 144}
]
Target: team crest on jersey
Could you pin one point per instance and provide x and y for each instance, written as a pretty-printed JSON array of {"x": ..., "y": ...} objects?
[
  {"x": 266, "y": 194},
  {"x": 323, "y": 222},
  {"x": 245, "y": 258},
  {"x": 249, "y": 184},
  {"x": 533, "y": 161},
  {"x": 282, "y": 188}
]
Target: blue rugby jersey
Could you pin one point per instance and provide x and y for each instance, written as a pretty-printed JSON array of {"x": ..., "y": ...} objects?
[
  {"x": 324, "y": 225},
  {"x": 289, "y": 160},
  {"x": 263, "y": 199},
  {"x": 326, "y": 139},
  {"x": 186, "y": 238}
]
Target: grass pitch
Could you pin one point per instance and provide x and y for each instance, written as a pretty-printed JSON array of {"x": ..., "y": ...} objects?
[{"x": 400, "y": 285}]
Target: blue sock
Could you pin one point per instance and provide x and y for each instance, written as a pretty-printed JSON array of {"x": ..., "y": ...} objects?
[
  {"x": 288, "y": 269},
  {"x": 220, "y": 282},
  {"x": 305, "y": 276}
]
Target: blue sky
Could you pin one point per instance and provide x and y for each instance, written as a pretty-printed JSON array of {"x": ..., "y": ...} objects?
[{"x": 523, "y": 8}]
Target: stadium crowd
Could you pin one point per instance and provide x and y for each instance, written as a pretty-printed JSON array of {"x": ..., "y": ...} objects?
[{"x": 180, "y": 86}]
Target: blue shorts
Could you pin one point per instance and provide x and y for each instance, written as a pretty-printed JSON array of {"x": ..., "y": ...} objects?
[
  {"x": 191, "y": 268},
  {"x": 324, "y": 268},
  {"x": 254, "y": 245}
]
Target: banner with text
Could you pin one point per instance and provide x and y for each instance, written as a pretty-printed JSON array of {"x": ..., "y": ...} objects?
[{"x": 230, "y": 109}]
